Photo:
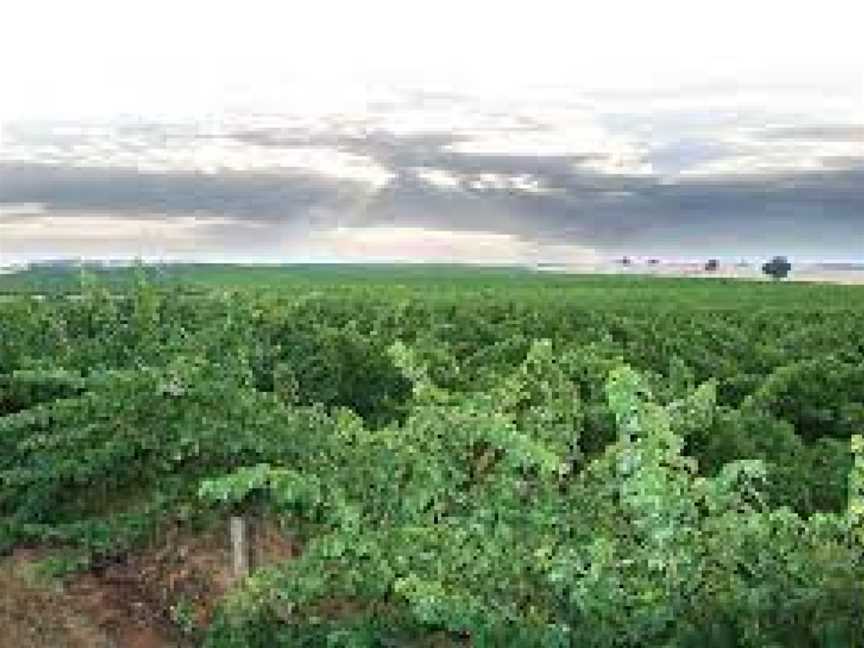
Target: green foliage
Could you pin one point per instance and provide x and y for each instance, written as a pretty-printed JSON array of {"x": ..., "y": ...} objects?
[
  {"x": 445, "y": 547},
  {"x": 62, "y": 564},
  {"x": 339, "y": 367},
  {"x": 820, "y": 396},
  {"x": 183, "y": 616},
  {"x": 557, "y": 463}
]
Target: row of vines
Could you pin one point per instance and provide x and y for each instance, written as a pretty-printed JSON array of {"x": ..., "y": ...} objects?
[{"x": 466, "y": 467}]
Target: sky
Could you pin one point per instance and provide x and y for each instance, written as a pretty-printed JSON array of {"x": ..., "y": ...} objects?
[{"x": 485, "y": 132}]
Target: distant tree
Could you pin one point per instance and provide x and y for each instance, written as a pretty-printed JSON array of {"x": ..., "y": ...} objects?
[
  {"x": 777, "y": 268},
  {"x": 653, "y": 261},
  {"x": 712, "y": 265},
  {"x": 625, "y": 260}
]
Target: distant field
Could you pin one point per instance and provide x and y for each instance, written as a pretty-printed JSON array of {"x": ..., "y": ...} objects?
[
  {"x": 204, "y": 276},
  {"x": 624, "y": 290}
]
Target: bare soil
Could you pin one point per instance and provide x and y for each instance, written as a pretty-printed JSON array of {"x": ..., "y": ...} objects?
[
  {"x": 34, "y": 615},
  {"x": 128, "y": 603}
]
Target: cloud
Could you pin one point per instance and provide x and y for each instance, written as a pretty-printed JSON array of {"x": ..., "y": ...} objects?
[
  {"x": 16, "y": 211},
  {"x": 186, "y": 148},
  {"x": 411, "y": 244},
  {"x": 820, "y": 133},
  {"x": 254, "y": 196},
  {"x": 493, "y": 177}
]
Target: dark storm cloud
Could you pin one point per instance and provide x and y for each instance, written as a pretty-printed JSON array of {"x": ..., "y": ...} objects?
[
  {"x": 619, "y": 211},
  {"x": 610, "y": 210},
  {"x": 267, "y": 197},
  {"x": 555, "y": 217}
]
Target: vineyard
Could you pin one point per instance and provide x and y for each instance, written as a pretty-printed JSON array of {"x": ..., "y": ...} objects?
[{"x": 463, "y": 459}]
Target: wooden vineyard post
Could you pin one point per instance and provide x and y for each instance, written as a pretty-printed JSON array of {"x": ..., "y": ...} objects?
[{"x": 240, "y": 547}]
